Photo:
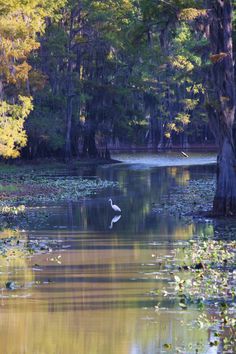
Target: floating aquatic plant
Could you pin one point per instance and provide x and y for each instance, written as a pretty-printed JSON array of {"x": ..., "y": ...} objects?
[
  {"x": 186, "y": 201},
  {"x": 203, "y": 274},
  {"x": 17, "y": 204}
]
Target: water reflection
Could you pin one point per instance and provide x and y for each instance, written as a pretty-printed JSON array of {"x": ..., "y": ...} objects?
[
  {"x": 114, "y": 220},
  {"x": 143, "y": 160},
  {"x": 139, "y": 190},
  {"x": 13, "y": 263},
  {"x": 115, "y": 332},
  {"x": 98, "y": 299},
  {"x": 96, "y": 302}
]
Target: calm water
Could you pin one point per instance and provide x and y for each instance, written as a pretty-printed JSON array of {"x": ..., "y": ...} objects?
[{"x": 93, "y": 293}]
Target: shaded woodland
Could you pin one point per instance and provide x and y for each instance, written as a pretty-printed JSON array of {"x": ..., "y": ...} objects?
[{"x": 97, "y": 74}]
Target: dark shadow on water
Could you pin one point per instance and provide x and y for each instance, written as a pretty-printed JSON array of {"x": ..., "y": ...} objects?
[{"x": 103, "y": 279}]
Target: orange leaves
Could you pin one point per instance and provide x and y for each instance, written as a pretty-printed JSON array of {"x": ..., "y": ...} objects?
[
  {"x": 37, "y": 80},
  {"x": 217, "y": 58},
  {"x": 20, "y": 23},
  {"x": 22, "y": 71}
]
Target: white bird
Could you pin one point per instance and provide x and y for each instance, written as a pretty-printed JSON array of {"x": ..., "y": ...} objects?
[
  {"x": 114, "y": 207},
  {"x": 114, "y": 220},
  {"x": 184, "y": 154}
]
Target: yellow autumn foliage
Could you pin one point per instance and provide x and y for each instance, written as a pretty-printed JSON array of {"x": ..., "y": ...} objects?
[
  {"x": 12, "y": 134},
  {"x": 18, "y": 29},
  {"x": 191, "y": 14},
  {"x": 167, "y": 135},
  {"x": 182, "y": 118},
  {"x": 20, "y": 24},
  {"x": 182, "y": 63},
  {"x": 178, "y": 124}
]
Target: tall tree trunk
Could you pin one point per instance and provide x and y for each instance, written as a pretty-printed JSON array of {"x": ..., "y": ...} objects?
[
  {"x": 68, "y": 153},
  {"x": 69, "y": 87},
  {"x": 221, "y": 104},
  {"x": 89, "y": 145},
  {"x": 161, "y": 143}
]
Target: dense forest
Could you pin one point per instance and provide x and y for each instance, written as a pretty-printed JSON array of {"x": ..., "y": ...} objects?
[{"x": 79, "y": 76}]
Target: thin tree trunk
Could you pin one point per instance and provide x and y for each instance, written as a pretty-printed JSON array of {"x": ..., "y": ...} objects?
[
  {"x": 161, "y": 144},
  {"x": 1, "y": 89},
  {"x": 68, "y": 128},
  {"x": 68, "y": 153}
]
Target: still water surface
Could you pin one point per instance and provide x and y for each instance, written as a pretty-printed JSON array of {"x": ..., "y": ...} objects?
[{"x": 94, "y": 293}]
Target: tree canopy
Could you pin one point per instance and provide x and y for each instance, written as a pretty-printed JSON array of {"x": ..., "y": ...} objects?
[
  {"x": 20, "y": 25},
  {"x": 91, "y": 74}
]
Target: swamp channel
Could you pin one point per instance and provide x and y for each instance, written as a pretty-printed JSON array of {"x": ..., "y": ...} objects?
[{"x": 101, "y": 287}]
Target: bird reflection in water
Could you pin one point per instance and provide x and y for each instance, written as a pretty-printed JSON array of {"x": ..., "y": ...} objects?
[{"x": 114, "y": 220}]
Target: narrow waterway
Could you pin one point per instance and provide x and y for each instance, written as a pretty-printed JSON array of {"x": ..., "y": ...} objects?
[{"x": 94, "y": 293}]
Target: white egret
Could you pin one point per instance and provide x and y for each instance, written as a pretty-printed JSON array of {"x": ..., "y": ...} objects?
[{"x": 114, "y": 207}]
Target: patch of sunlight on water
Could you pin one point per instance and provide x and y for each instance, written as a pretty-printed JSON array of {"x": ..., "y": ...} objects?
[{"x": 142, "y": 160}]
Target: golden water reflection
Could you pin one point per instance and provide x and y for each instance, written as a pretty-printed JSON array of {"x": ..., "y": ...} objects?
[
  {"x": 96, "y": 296},
  {"x": 94, "y": 299}
]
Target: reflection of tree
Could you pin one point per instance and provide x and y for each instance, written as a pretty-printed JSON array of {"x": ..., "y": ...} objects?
[
  {"x": 139, "y": 189},
  {"x": 94, "y": 306},
  {"x": 36, "y": 330},
  {"x": 181, "y": 175},
  {"x": 205, "y": 230}
]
